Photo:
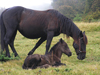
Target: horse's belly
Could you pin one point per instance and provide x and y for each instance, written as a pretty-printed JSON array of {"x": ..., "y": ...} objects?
[{"x": 32, "y": 34}]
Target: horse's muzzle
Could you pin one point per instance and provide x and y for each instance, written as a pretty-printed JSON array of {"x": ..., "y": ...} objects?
[{"x": 81, "y": 57}]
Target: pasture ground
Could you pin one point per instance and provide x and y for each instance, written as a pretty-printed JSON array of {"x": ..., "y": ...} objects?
[{"x": 89, "y": 66}]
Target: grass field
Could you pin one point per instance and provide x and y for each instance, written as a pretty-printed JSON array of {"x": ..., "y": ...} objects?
[{"x": 89, "y": 66}]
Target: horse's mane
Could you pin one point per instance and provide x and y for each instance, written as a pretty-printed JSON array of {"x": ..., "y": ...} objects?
[
  {"x": 66, "y": 25},
  {"x": 85, "y": 39}
]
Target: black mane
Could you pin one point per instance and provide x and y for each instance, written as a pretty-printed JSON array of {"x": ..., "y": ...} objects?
[
  {"x": 53, "y": 48},
  {"x": 66, "y": 25}
]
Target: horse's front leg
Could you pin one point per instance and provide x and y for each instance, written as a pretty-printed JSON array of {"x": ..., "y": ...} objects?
[
  {"x": 42, "y": 39},
  {"x": 50, "y": 35}
]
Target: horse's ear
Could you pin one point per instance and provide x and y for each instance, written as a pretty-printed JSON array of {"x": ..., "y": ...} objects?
[
  {"x": 81, "y": 34},
  {"x": 61, "y": 40},
  {"x": 84, "y": 32}
]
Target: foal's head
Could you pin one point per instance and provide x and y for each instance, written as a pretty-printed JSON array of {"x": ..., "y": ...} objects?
[{"x": 62, "y": 47}]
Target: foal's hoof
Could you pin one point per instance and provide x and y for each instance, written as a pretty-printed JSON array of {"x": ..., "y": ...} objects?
[{"x": 30, "y": 53}]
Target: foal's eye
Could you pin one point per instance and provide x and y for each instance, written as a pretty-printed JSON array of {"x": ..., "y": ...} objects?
[{"x": 65, "y": 46}]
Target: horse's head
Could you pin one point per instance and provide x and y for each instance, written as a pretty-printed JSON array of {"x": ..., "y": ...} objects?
[
  {"x": 80, "y": 46},
  {"x": 64, "y": 47}
]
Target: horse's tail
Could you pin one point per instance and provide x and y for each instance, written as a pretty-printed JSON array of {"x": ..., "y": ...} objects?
[{"x": 3, "y": 31}]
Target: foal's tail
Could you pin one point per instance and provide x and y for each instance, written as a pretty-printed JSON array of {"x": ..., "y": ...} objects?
[{"x": 3, "y": 31}]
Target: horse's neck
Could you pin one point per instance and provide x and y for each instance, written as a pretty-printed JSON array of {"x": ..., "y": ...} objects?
[
  {"x": 70, "y": 29},
  {"x": 74, "y": 31}
]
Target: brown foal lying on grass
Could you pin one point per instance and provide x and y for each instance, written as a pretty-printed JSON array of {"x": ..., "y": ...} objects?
[{"x": 52, "y": 58}]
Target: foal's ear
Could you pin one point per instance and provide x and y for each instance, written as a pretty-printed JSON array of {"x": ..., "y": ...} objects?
[
  {"x": 84, "y": 32},
  {"x": 81, "y": 34},
  {"x": 61, "y": 40}
]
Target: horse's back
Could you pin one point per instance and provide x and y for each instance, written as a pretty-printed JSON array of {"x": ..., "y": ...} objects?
[
  {"x": 13, "y": 10},
  {"x": 35, "y": 24},
  {"x": 12, "y": 15}
]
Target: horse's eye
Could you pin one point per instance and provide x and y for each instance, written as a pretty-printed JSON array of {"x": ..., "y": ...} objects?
[{"x": 75, "y": 46}]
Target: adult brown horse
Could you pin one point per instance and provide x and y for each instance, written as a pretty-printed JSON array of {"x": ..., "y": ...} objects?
[
  {"x": 38, "y": 24},
  {"x": 52, "y": 58}
]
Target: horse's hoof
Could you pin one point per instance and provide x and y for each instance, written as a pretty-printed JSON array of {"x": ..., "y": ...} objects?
[
  {"x": 16, "y": 55},
  {"x": 8, "y": 56}
]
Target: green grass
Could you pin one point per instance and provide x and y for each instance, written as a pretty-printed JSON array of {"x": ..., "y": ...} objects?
[{"x": 89, "y": 66}]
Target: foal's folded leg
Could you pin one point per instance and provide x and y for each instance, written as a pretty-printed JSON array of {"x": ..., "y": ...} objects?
[
  {"x": 45, "y": 66},
  {"x": 59, "y": 64}
]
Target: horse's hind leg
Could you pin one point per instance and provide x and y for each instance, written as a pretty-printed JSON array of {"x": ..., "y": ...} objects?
[
  {"x": 7, "y": 38},
  {"x": 12, "y": 44},
  {"x": 7, "y": 50}
]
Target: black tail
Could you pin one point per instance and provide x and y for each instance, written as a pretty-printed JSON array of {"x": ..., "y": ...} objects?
[{"x": 3, "y": 31}]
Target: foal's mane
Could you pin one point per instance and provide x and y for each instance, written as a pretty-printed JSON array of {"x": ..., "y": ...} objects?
[{"x": 54, "y": 47}]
